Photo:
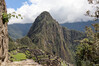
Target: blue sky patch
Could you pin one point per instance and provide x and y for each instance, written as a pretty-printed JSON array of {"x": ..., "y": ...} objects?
[{"x": 15, "y": 3}]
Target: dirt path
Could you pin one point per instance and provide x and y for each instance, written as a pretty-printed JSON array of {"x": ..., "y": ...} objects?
[{"x": 27, "y": 62}]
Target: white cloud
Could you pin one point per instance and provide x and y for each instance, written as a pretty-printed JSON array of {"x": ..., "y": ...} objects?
[{"x": 62, "y": 10}]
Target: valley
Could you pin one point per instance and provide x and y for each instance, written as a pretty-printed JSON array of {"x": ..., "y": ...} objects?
[
  {"x": 49, "y": 40},
  {"x": 49, "y": 33}
]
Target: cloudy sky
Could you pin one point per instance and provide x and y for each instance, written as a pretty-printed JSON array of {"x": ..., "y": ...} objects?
[{"x": 62, "y": 10}]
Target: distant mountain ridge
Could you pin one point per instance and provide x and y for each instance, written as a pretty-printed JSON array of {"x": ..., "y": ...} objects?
[
  {"x": 79, "y": 26},
  {"x": 18, "y": 30}
]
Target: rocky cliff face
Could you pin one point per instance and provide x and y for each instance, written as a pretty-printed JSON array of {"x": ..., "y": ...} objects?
[
  {"x": 3, "y": 35},
  {"x": 48, "y": 35}
]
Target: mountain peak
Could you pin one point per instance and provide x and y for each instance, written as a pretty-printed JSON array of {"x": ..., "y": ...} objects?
[
  {"x": 45, "y": 13},
  {"x": 49, "y": 36},
  {"x": 44, "y": 16}
]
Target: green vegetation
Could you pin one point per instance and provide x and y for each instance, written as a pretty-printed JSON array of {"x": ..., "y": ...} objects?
[
  {"x": 63, "y": 64},
  {"x": 12, "y": 45},
  {"x": 87, "y": 53},
  {"x": 18, "y": 57},
  {"x": 26, "y": 41},
  {"x": 6, "y": 17},
  {"x": 28, "y": 54},
  {"x": 17, "y": 31},
  {"x": 14, "y": 51}
]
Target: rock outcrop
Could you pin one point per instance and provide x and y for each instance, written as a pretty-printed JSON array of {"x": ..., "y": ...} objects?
[{"x": 3, "y": 35}]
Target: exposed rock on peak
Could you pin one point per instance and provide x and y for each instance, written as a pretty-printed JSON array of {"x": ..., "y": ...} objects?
[
  {"x": 42, "y": 21},
  {"x": 45, "y": 13},
  {"x": 44, "y": 16}
]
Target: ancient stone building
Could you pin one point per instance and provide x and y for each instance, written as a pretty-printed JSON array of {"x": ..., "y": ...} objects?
[{"x": 3, "y": 35}]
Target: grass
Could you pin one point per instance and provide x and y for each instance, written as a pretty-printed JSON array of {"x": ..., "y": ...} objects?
[
  {"x": 14, "y": 51},
  {"x": 18, "y": 57},
  {"x": 63, "y": 64},
  {"x": 34, "y": 58},
  {"x": 40, "y": 57},
  {"x": 43, "y": 56}
]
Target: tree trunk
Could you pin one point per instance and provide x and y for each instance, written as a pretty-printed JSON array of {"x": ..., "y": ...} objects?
[{"x": 3, "y": 35}]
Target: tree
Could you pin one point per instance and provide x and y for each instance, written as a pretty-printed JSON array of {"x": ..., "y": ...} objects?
[
  {"x": 95, "y": 13},
  {"x": 6, "y": 17},
  {"x": 87, "y": 53},
  {"x": 3, "y": 35}
]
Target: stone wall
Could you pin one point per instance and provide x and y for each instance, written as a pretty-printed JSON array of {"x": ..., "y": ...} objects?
[{"x": 3, "y": 35}]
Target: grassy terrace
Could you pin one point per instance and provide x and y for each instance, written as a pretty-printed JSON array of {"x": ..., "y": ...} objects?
[
  {"x": 63, "y": 64},
  {"x": 18, "y": 57}
]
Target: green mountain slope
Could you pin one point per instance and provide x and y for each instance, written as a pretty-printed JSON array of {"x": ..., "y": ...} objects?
[
  {"x": 18, "y": 30},
  {"x": 49, "y": 36}
]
